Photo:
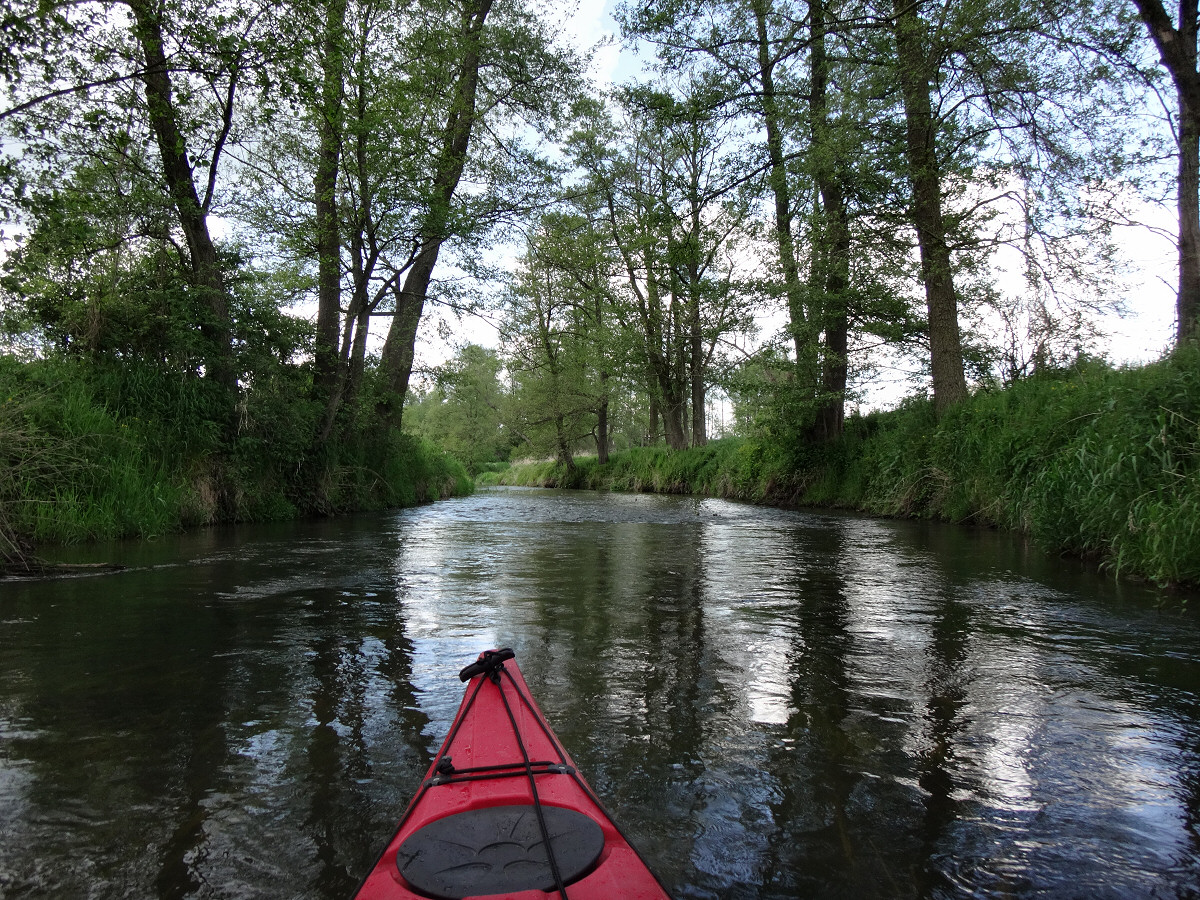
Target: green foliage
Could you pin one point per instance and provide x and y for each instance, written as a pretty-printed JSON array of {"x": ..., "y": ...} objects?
[
  {"x": 82, "y": 469},
  {"x": 729, "y": 467},
  {"x": 1092, "y": 460},
  {"x": 462, "y": 411},
  {"x": 83, "y": 285},
  {"x": 1124, "y": 481},
  {"x": 91, "y": 451}
]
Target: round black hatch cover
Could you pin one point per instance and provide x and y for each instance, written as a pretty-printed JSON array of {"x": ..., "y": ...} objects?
[{"x": 498, "y": 850}]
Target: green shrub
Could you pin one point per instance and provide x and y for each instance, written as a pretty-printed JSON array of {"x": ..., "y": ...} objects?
[{"x": 90, "y": 449}]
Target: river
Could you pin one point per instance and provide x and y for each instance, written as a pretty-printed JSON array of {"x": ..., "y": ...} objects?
[{"x": 773, "y": 704}]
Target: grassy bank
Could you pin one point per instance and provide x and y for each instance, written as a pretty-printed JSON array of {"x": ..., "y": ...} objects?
[
  {"x": 1097, "y": 461},
  {"x": 92, "y": 452}
]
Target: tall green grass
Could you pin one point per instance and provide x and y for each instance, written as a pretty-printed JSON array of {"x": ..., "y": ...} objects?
[
  {"x": 74, "y": 470},
  {"x": 729, "y": 467},
  {"x": 1096, "y": 461},
  {"x": 91, "y": 451}
]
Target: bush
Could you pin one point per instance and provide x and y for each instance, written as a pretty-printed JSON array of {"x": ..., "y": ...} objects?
[{"x": 93, "y": 449}]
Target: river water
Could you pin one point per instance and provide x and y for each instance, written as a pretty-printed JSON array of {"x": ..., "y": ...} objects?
[{"x": 773, "y": 704}]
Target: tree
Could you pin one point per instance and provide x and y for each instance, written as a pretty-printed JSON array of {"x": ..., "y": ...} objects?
[
  {"x": 831, "y": 237},
  {"x": 709, "y": 212},
  {"x": 122, "y": 75},
  {"x": 914, "y": 57},
  {"x": 1177, "y": 48},
  {"x": 673, "y": 215},
  {"x": 549, "y": 355},
  {"x": 330, "y": 115},
  {"x": 402, "y": 103},
  {"x": 974, "y": 105},
  {"x": 463, "y": 411},
  {"x": 754, "y": 54},
  {"x": 176, "y": 161},
  {"x": 495, "y": 64},
  {"x": 571, "y": 244}
]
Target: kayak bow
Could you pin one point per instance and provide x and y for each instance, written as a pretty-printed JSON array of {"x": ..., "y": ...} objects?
[{"x": 500, "y": 791}]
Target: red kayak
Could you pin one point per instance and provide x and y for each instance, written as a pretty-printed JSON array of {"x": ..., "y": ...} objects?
[{"x": 499, "y": 793}]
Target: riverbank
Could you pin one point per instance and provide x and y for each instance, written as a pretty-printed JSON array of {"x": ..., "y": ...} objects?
[
  {"x": 88, "y": 453},
  {"x": 1096, "y": 461}
]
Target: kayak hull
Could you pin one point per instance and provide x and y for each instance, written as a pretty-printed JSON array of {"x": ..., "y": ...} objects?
[{"x": 475, "y": 829}]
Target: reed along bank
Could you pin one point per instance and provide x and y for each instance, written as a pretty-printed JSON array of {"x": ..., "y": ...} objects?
[
  {"x": 1094, "y": 460},
  {"x": 122, "y": 449}
]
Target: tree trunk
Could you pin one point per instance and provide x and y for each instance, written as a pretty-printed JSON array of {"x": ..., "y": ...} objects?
[
  {"x": 1187, "y": 304},
  {"x": 677, "y": 343},
  {"x": 344, "y": 380},
  {"x": 831, "y": 406},
  {"x": 564, "y": 447},
  {"x": 696, "y": 357},
  {"x": 671, "y": 390},
  {"x": 602, "y": 421},
  {"x": 699, "y": 390},
  {"x": 672, "y": 414},
  {"x": 793, "y": 287},
  {"x": 1177, "y": 49},
  {"x": 696, "y": 360},
  {"x": 399, "y": 349},
  {"x": 193, "y": 217},
  {"x": 602, "y": 408},
  {"x": 329, "y": 268},
  {"x": 835, "y": 237},
  {"x": 945, "y": 343},
  {"x": 358, "y": 355},
  {"x": 670, "y": 401},
  {"x": 660, "y": 356}
]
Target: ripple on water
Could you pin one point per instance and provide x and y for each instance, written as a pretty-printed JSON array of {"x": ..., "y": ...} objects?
[{"x": 775, "y": 704}]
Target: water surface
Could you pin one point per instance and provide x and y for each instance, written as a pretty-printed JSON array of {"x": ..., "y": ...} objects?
[{"x": 773, "y": 704}]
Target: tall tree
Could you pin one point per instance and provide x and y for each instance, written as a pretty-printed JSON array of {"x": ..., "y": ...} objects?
[
  {"x": 634, "y": 181},
  {"x": 916, "y": 66},
  {"x": 496, "y": 64},
  {"x": 1177, "y": 47},
  {"x": 771, "y": 62},
  {"x": 176, "y": 160},
  {"x": 330, "y": 117},
  {"x": 571, "y": 244},
  {"x": 988, "y": 96},
  {"x": 411, "y": 100},
  {"x": 709, "y": 212},
  {"x": 80, "y": 110},
  {"x": 550, "y": 352},
  {"x": 396, "y": 360},
  {"x": 831, "y": 236},
  {"x": 674, "y": 213}
]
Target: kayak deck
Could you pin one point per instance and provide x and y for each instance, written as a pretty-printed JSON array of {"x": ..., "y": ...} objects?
[{"x": 500, "y": 790}]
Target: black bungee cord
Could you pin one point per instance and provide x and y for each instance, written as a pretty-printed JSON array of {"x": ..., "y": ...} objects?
[{"x": 529, "y": 774}]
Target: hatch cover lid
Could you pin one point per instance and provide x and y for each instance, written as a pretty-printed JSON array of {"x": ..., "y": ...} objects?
[{"x": 498, "y": 850}]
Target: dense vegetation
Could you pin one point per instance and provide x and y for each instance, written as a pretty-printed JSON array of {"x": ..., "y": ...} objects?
[
  {"x": 209, "y": 209},
  {"x": 1092, "y": 460},
  {"x": 128, "y": 451}
]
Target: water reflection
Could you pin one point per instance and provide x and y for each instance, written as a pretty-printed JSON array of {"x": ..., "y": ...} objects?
[{"x": 774, "y": 704}]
